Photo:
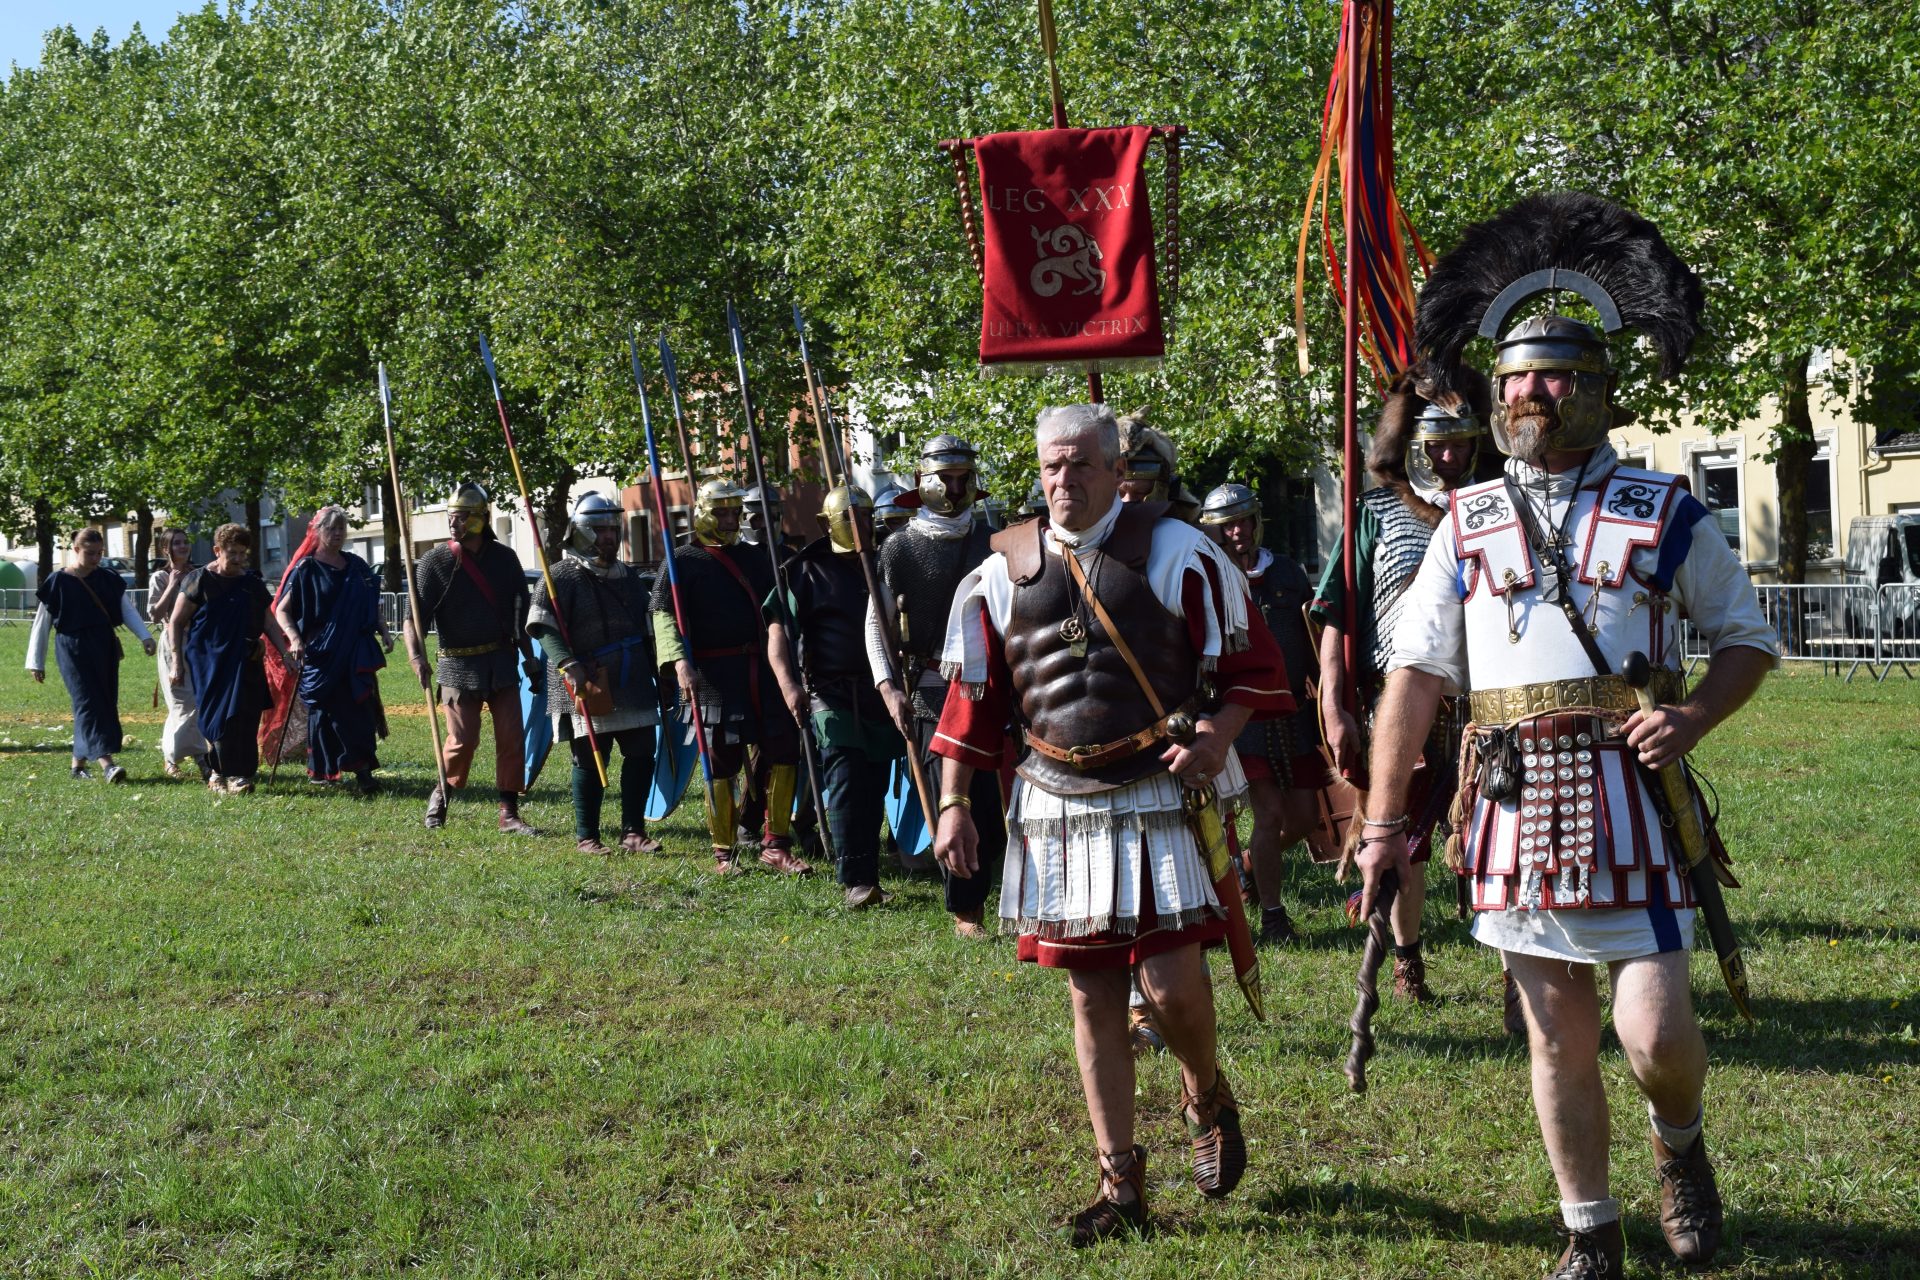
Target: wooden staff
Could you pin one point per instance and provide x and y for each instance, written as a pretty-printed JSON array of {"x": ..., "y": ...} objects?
[
  {"x": 405, "y": 521},
  {"x": 540, "y": 554}
]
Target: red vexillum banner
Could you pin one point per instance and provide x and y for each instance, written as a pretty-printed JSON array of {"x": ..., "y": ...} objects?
[{"x": 1069, "y": 268}]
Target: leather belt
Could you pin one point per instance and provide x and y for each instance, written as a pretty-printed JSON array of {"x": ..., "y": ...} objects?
[
  {"x": 1582, "y": 693},
  {"x": 1107, "y": 753},
  {"x": 469, "y": 651}
]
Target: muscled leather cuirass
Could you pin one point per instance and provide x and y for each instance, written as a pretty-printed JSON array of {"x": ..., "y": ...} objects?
[{"x": 1068, "y": 700}]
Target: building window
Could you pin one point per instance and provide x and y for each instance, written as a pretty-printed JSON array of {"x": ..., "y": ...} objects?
[
  {"x": 1717, "y": 482},
  {"x": 375, "y": 505},
  {"x": 1820, "y": 503},
  {"x": 275, "y": 539}
]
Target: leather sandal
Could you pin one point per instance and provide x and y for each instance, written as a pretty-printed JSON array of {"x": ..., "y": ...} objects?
[
  {"x": 1110, "y": 1216},
  {"x": 1219, "y": 1148}
]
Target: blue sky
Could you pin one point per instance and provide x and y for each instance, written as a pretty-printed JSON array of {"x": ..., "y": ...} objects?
[{"x": 23, "y": 23}]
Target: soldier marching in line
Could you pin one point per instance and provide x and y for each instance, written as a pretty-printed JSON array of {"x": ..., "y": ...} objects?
[
  {"x": 610, "y": 664},
  {"x": 1281, "y": 756},
  {"x": 921, "y": 567},
  {"x": 833, "y": 688},
  {"x": 473, "y": 593},
  {"x": 723, "y": 663},
  {"x": 1418, "y": 458}
]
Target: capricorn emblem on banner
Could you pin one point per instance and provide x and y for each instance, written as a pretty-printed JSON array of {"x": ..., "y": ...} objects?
[{"x": 1066, "y": 253}]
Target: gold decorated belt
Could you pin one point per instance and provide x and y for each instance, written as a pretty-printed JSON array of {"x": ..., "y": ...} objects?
[
  {"x": 469, "y": 651},
  {"x": 1598, "y": 693}
]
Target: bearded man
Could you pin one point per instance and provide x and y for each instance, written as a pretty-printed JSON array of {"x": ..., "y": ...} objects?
[
  {"x": 1420, "y": 455},
  {"x": 1112, "y": 636},
  {"x": 1537, "y": 588}
]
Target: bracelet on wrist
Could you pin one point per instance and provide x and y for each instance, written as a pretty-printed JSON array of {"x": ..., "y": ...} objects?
[
  {"x": 956, "y": 798},
  {"x": 1391, "y": 824}
]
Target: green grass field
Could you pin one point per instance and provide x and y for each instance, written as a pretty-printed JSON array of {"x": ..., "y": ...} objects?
[{"x": 295, "y": 1034}]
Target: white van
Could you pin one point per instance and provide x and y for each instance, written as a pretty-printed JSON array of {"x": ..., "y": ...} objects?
[{"x": 1884, "y": 551}]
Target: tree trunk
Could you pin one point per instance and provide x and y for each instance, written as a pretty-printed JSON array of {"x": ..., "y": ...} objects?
[
  {"x": 253, "y": 522},
  {"x": 1793, "y": 458},
  {"x": 142, "y": 546},
  {"x": 554, "y": 513},
  {"x": 43, "y": 534},
  {"x": 393, "y": 579}
]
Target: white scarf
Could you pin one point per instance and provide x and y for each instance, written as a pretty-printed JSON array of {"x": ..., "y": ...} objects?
[
  {"x": 1089, "y": 538},
  {"x": 945, "y": 528}
]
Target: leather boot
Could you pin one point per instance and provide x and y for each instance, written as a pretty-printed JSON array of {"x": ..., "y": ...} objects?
[
  {"x": 726, "y": 862},
  {"x": 967, "y": 925},
  {"x": 1276, "y": 928},
  {"x": 1691, "y": 1214},
  {"x": 639, "y": 842},
  {"x": 510, "y": 817},
  {"x": 592, "y": 845},
  {"x": 436, "y": 809},
  {"x": 1410, "y": 978},
  {"x": 776, "y": 854},
  {"x": 1599, "y": 1254},
  {"x": 1219, "y": 1149},
  {"x": 1109, "y": 1215}
]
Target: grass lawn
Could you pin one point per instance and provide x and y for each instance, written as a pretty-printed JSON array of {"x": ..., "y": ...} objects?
[{"x": 295, "y": 1034}]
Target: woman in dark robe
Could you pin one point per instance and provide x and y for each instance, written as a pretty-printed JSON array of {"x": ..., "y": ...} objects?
[
  {"x": 337, "y": 638},
  {"x": 218, "y": 633},
  {"x": 82, "y": 605}
]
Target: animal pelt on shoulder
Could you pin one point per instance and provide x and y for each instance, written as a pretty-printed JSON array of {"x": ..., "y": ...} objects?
[{"x": 1387, "y": 455}]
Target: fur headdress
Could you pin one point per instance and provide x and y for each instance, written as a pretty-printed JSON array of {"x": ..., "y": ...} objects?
[{"x": 1387, "y": 454}]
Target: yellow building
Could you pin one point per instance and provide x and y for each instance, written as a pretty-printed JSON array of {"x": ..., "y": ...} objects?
[{"x": 1854, "y": 474}]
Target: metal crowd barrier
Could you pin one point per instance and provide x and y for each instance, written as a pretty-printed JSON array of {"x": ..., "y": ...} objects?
[{"x": 1843, "y": 627}]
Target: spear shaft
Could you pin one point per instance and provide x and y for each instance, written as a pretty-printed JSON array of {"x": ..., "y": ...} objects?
[
  {"x": 666, "y": 554},
  {"x": 779, "y": 573},
  {"x": 870, "y": 570},
  {"x": 404, "y": 520},
  {"x": 540, "y": 552}
]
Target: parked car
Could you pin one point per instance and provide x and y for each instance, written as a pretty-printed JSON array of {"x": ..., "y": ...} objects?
[{"x": 1884, "y": 551}]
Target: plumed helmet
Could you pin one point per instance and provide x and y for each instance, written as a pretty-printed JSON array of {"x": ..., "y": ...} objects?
[
  {"x": 469, "y": 510},
  {"x": 591, "y": 513},
  {"x": 947, "y": 452},
  {"x": 838, "y": 510},
  {"x": 1148, "y": 455},
  {"x": 1564, "y": 242},
  {"x": 713, "y": 497}
]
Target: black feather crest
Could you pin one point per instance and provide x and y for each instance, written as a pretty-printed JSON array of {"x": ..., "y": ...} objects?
[{"x": 1622, "y": 252}]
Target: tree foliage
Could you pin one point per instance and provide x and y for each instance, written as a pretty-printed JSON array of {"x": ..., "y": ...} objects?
[{"x": 206, "y": 243}]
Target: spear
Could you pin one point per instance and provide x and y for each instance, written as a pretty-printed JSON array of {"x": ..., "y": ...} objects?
[
  {"x": 540, "y": 552},
  {"x": 830, "y": 456},
  {"x": 666, "y": 553},
  {"x": 773, "y": 559},
  {"x": 870, "y": 570},
  {"x": 404, "y": 520}
]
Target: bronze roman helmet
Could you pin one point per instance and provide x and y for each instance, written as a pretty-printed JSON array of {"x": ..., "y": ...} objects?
[
  {"x": 469, "y": 510},
  {"x": 947, "y": 452},
  {"x": 714, "y": 496},
  {"x": 838, "y": 512}
]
